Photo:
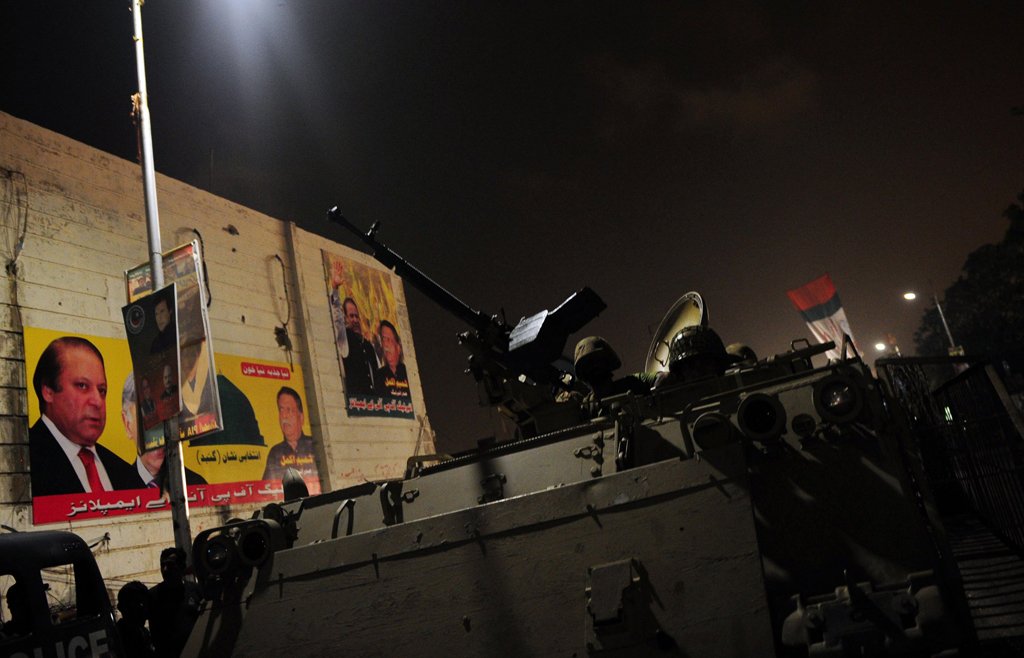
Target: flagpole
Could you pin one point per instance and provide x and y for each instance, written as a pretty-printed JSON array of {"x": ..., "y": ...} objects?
[{"x": 172, "y": 450}]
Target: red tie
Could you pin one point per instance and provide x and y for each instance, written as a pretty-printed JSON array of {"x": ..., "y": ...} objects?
[{"x": 89, "y": 460}]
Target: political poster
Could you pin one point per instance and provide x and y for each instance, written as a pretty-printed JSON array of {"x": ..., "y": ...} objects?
[
  {"x": 197, "y": 384},
  {"x": 152, "y": 331},
  {"x": 364, "y": 314},
  {"x": 266, "y": 428},
  {"x": 86, "y": 459}
]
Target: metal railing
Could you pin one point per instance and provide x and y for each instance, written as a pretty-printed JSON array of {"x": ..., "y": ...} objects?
[{"x": 967, "y": 433}]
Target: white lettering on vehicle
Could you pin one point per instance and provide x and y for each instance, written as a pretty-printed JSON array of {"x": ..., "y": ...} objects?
[{"x": 80, "y": 646}]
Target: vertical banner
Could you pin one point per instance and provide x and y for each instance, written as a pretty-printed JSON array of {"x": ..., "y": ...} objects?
[
  {"x": 200, "y": 403},
  {"x": 84, "y": 396},
  {"x": 818, "y": 303},
  {"x": 153, "y": 344},
  {"x": 364, "y": 315}
]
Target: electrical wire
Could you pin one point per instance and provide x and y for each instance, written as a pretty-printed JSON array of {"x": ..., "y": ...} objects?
[
  {"x": 287, "y": 300},
  {"x": 206, "y": 275},
  {"x": 18, "y": 196},
  {"x": 281, "y": 333}
]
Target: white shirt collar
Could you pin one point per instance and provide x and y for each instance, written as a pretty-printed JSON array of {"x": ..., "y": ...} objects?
[{"x": 144, "y": 473}]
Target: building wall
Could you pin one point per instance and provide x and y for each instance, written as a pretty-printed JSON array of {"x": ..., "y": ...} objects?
[{"x": 82, "y": 214}]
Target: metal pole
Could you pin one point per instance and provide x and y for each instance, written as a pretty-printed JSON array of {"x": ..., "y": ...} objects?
[
  {"x": 942, "y": 316},
  {"x": 172, "y": 454}
]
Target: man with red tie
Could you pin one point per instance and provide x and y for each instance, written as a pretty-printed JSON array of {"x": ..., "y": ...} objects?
[{"x": 71, "y": 385}]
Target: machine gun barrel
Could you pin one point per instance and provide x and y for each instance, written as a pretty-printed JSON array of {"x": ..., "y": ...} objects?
[
  {"x": 479, "y": 320},
  {"x": 514, "y": 367}
]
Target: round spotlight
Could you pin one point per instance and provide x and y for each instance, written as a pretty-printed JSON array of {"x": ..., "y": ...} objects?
[
  {"x": 254, "y": 545},
  {"x": 712, "y": 430},
  {"x": 218, "y": 554},
  {"x": 838, "y": 399},
  {"x": 803, "y": 425},
  {"x": 761, "y": 417},
  {"x": 910, "y": 296}
]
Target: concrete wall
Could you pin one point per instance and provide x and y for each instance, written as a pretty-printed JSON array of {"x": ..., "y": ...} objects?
[{"x": 82, "y": 215}]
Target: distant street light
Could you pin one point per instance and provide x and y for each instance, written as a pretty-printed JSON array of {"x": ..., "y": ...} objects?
[
  {"x": 911, "y": 296},
  {"x": 888, "y": 346}
]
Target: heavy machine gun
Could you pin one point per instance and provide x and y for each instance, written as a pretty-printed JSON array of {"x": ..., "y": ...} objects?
[{"x": 515, "y": 367}]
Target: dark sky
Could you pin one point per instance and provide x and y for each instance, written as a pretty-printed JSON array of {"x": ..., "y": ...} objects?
[{"x": 517, "y": 151}]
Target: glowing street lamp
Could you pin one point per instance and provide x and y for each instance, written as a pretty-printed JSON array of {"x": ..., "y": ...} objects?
[{"x": 888, "y": 345}]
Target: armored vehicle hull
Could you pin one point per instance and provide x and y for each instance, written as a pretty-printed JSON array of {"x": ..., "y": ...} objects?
[{"x": 768, "y": 511}]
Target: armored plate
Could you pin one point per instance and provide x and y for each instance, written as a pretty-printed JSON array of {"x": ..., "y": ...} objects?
[{"x": 626, "y": 564}]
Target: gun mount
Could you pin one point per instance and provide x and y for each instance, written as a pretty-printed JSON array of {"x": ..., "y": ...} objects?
[{"x": 514, "y": 366}]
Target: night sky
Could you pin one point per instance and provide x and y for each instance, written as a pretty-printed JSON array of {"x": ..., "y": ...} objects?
[{"x": 517, "y": 151}]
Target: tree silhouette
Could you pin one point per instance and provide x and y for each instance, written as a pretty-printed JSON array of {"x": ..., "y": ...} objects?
[{"x": 985, "y": 305}]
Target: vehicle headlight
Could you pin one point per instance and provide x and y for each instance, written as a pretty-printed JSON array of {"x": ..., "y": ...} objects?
[
  {"x": 254, "y": 545},
  {"x": 218, "y": 555},
  {"x": 712, "y": 430},
  {"x": 761, "y": 417},
  {"x": 838, "y": 399}
]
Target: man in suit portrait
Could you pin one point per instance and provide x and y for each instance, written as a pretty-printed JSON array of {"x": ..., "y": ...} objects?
[
  {"x": 295, "y": 449},
  {"x": 71, "y": 385},
  {"x": 361, "y": 362},
  {"x": 170, "y": 386},
  {"x": 148, "y": 407},
  {"x": 166, "y": 336},
  {"x": 392, "y": 378}
]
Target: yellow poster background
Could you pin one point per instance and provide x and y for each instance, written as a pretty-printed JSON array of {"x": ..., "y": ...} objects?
[
  {"x": 117, "y": 365},
  {"x": 261, "y": 392},
  {"x": 369, "y": 287}
]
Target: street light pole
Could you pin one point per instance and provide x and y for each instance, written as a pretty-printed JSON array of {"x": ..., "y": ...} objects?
[
  {"x": 172, "y": 450},
  {"x": 911, "y": 296},
  {"x": 945, "y": 325}
]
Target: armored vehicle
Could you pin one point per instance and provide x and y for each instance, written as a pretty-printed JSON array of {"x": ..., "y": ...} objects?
[
  {"x": 84, "y": 629},
  {"x": 726, "y": 506}
]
